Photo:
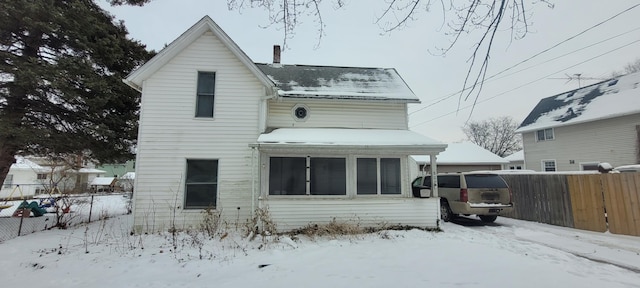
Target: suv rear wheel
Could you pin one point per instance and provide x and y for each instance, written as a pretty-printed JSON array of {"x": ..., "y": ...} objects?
[
  {"x": 445, "y": 212},
  {"x": 488, "y": 218}
]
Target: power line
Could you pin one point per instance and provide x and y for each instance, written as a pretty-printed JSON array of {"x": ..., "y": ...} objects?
[
  {"x": 528, "y": 83},
  {"x": 492, "y": 77},
  {"x": 532, "y": 57}
]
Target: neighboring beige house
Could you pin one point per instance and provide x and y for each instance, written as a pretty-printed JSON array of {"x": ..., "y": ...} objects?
[
  {"x": 579, "y": 129},
  {"x": 461, "y": 157},
  {"x": 516, "y": 161},
  {"x": 310, "y": 144}
]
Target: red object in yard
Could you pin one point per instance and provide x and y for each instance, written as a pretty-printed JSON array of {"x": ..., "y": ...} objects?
[{"x": 22, "y": 212}]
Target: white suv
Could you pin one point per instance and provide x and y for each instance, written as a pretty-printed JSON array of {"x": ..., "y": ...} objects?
[{"x": 481, "y": 193}]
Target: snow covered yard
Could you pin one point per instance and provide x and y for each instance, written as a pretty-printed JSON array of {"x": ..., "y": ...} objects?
[{"x": 511, "y": 253}]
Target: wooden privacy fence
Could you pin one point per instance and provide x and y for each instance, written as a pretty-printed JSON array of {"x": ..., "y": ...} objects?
[{"x": 596, "y": 202}]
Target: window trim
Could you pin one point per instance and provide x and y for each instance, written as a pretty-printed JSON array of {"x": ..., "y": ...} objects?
[
  {"x": 555, "y": 165},
  {"x": 295, "y": 109},
  {"x": 198, "y": 94},
  {"x": 553, "y": 134},
  {"x": 186, "y": 183}
]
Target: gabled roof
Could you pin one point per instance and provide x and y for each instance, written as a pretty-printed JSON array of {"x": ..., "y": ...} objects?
[
  {"x": 464, "y": 153},
  {"x": 205, "y": 24},
  {"x": 347, "y": 83},
  {"x": 103, "y": 181},
  {"x": 616, "y": 97},
  {"x": 516, "y": 156},
  {"x": 25, "y": 164}
]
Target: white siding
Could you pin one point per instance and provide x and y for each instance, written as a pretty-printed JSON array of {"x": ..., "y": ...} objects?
[
  {"x": 26, "y": 178},
  {"x": 289, "y": 214},
  {"x": 611, "y": 140},
  {"x": 169, "y": 134},
  {"x": 346, "y": 114}
]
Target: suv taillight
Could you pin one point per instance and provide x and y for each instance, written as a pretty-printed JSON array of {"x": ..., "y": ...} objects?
[{"x": 464, "y": 196}]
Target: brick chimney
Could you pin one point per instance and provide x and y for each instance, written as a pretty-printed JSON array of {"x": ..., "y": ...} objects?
[{"x": 276, "y": 54}]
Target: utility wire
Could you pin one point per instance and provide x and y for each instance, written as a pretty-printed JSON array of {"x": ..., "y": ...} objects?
[
  {"x": 532, "y": 57},
  {"x": 492, "y": 77},
  {"x": 528, "y": 83}
]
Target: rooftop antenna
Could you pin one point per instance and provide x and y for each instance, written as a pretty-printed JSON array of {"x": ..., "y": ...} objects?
[{"x": 578, "y": 76}]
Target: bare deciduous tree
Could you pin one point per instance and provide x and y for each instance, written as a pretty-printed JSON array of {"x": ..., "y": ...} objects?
[
  {"x": 494, "y": 134},
  {"x": 632, "y": 67},
  {"x": 466, "y": 16}
]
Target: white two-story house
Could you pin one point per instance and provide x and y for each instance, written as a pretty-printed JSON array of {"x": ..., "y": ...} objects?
[
  {"x": 579, "y": 129},
  {"x": 308, "y": 144}
]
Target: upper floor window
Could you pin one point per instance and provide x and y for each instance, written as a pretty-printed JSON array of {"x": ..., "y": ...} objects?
[
  {"x": 548, "y": 165},
  {"x": 205, "y": 97},
  {"x": 41, "y": 176},
  {"x": 544, "y": 134}
]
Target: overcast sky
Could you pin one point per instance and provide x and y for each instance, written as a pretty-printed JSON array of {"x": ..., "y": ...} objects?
[{"x": 353, "y": 39}]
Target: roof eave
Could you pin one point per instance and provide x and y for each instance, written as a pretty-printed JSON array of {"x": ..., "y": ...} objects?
[
  {"x": 556, "y": 124},
  {"x": 347, "y": 98}
]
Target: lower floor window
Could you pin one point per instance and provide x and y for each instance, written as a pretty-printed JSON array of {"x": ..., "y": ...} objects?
[
  {"x": 201, "y": 184},
  {"x": 378, "y": 176},
  {"x": 548, "y": 165},
  {"x": 307, "y": 176}
]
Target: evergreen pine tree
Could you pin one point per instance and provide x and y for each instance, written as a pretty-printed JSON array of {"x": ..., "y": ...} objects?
[{"x": 61, "y": 92}]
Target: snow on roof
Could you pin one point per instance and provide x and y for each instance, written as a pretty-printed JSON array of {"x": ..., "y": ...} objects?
[
  {"x": 612, "y": 98},
  {"x": 463, "y": 153},
  {"x": 347, "y": 137},
  {"x": 330, "y": 82},
  {"x": 517, "y": 156},
  {"x": 91, "y": 171},
  {"x": 102, "y": 181},
  {"x": 24, "y": 164},
  {"x": 129, "y": 175}
]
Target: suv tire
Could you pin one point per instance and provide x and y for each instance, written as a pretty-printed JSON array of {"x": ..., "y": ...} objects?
[
  {"x": 445, "y": 211},
  {"x": 488, "y": 218}
]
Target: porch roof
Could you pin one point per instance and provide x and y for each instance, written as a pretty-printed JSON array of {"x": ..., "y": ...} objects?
[{"x": 382, "y": 140}]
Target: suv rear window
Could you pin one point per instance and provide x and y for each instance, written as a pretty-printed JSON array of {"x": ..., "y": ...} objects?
[{"x": 485, "y": 181}]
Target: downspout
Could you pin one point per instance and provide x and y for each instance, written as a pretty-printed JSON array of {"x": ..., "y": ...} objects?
[{"x": 253, "y": 181}]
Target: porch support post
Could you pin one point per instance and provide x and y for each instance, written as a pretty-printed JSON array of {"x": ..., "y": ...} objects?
[{"x": 434, "y": 176}]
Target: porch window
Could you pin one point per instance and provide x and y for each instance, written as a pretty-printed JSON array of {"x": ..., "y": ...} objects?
[
  {"x": 307, "y": 176},
  {"x": 328, "y": 176},
  {"x": 386, "y": 170},
  {"x": 201, "y": 184},
  {"x": 287, "y": 176},
  {"x": 548, "y": 165},
  {"x": 205, "y": 94}
]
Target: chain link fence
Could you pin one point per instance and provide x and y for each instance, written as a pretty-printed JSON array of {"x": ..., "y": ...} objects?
[{"x": 19, "y": 218}]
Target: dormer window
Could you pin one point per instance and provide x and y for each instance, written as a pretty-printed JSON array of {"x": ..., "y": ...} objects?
[{"x": 544, "y": 134}]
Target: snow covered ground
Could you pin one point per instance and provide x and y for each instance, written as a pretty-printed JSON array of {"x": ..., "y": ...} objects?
[{"x": 509, "y": 253}]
